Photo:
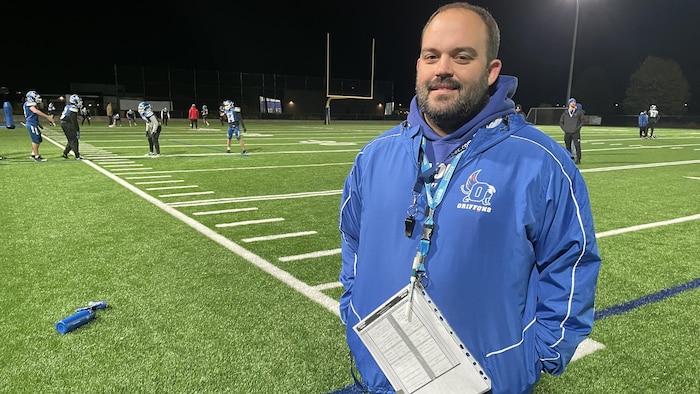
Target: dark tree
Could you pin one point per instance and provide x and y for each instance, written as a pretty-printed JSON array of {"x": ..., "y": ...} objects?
[{"x": 658, "y": 81}]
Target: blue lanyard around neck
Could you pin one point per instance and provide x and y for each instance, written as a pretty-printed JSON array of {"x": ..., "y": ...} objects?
[
  {"x": 426, "y": 177},
  {"x": 434, "y": 199}
]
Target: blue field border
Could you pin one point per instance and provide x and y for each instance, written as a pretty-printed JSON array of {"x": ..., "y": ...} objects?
[{"x": 646, "y": 300}]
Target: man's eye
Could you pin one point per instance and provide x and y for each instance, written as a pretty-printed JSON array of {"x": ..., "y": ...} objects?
[{"x": 463, "y": 59}]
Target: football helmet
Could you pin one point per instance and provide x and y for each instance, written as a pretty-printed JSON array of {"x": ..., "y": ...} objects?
[
  {"x": 228, "y": 104},
  {"x": 33, "y": 97},
  {"x": 144, "y": 107},
  {"x": 76, "y": 100},
  {"x": 204, "y": 106},
  {"x": 652, "y": 106}
]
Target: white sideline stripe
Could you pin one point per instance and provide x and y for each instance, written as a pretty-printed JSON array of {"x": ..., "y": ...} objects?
[
  {"x": 312, "y": 255},
  {"x": 247, "y": 222},
  {"x": 647, "y": 226},
  {"x": 586, "y": 347},
  {"x": 279, "y": 236},
  {"x": 224, "y": 211},
  {"x": 185, "y": 194},
  {"x": 157, "y": 182},
  {"x": 254, "y": 198},
  {"x": 311, "y": 292},
  {"x": 172, "y": 187}
]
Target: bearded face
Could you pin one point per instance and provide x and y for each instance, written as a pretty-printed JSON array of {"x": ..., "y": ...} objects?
[{"x": 447, "y": 110}]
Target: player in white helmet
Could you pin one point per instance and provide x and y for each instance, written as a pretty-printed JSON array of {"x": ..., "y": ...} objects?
[
  {"x": 654, "y": 117},
  {"x": 31, "y": 122},
  {"x": 205, "y": 114},
  {"x": 152, "y": 128},
  {"x": 233, "y": 127}
]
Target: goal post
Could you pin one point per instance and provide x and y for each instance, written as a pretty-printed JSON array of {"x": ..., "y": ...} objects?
[{"x": 331, "y": 96}]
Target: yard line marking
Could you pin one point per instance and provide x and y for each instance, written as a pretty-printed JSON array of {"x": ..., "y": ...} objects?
[
  {"x": 254, "y": 198},
  {"x": 172, "y": 187},
  {"x": 149, "y": 177},
  {"x": 132, "y": 169},
  {"x": 186, "y": 194},
  {"x": 122, "y": 165},
  {"x": 311, "y": 255},
  {"x": 248, "y": 168},
  {"x": 247, "y": 222},
  {"x": 279, "y": 236},
  {"x": 637, "y": 166},
  {"x": 157, "y": 182},
  {"x": 647, "y": 226},
  {"x": 692, "y": 177},
  {"x": 224, "y": 211}
]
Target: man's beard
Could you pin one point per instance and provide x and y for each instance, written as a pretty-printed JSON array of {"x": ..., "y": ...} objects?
[{"x": 471, "y": 98}]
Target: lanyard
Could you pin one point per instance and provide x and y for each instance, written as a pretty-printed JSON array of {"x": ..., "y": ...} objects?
[{"x": 425, "y": 180}]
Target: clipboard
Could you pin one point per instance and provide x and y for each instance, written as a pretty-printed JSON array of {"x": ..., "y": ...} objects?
[{"x": 419, "y": 353}]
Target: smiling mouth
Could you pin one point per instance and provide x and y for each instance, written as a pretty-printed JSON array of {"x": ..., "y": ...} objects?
[{"x": 444, "y": 85}]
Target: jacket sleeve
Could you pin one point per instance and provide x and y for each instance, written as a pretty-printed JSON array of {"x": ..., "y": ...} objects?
[
  {"x": 568, "y": 262},
  {"x": 349, "y": 227},
  {"x": 561, "y": 120}
]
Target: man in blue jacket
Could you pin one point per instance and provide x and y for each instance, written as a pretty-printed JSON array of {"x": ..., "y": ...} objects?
[{"x": 503, "y": 225}]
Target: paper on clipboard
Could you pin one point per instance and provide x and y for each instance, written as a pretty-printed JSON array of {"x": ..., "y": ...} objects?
[{"x": 423, "y": 355}]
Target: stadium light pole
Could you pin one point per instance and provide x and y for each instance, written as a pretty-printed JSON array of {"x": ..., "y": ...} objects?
[{"x": 573, "y": 54}]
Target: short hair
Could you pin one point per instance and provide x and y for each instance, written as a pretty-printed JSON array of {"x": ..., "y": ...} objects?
[{"x": 493, "y": 41}]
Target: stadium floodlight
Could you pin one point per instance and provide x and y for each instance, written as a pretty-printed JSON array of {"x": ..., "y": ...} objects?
[{"x": 573, "y": 54}]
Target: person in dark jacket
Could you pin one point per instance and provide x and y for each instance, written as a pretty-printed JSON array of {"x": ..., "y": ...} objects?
[
  {"x": 69, "y": 124},
  {"x": 643, "y": 122},
  {"x": 571, "y": 121}
]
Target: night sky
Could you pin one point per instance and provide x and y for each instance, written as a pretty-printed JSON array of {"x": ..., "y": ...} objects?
[{"x": 82, "y": 43}]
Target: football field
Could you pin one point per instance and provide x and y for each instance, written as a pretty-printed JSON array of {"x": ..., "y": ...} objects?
[{"x": 221, "y": 270}]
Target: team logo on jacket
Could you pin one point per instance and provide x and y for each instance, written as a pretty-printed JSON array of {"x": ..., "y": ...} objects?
[{"x": 477, "y": 194}]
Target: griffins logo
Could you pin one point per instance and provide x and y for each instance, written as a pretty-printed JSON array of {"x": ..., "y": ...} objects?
[{"x": 477, "y": 194}]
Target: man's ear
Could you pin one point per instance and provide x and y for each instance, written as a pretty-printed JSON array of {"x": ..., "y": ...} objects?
[{"x": 494, "y": 70}]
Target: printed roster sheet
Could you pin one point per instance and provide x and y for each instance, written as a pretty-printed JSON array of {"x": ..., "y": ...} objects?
[{"x": 418, "y": 351}]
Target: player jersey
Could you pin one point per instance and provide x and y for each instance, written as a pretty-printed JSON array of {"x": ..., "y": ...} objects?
[
  {"x": 231, "y": 115},
  {"x": 31, "y": 117},
  {"x": 65, "y": 115}
]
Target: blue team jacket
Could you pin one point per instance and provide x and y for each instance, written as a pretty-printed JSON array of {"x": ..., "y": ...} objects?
[{"x": 513, "y": 261}]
